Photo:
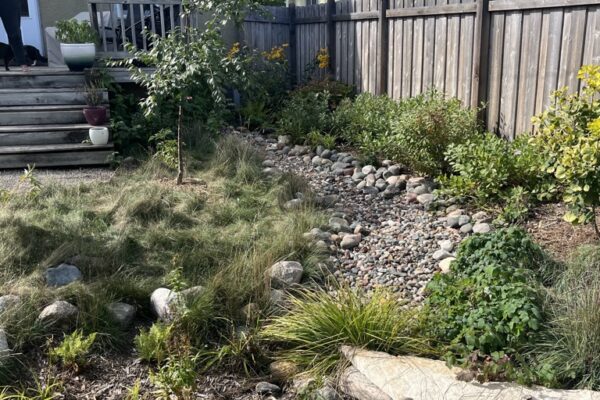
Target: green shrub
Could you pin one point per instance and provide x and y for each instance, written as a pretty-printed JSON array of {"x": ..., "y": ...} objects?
[
  {"x": 153, "y": 344},
  {"x": 303, "y": 114},
  {"x": 569, "y": 353},
  {"x": 569, "y": 135},
  {"x": 318, "y": 323},
  {"x": 489, "y": 304},
  {"x": 366, "y": 121},
  {"x": 424, "y": 128},
  {"x": 485, "y": 168},
  {"x": 73, "y": 350},
  {"x": 176, "y": 378},
  {"x": 73, "y": 31},
  {"x": 338, "y": 91}
]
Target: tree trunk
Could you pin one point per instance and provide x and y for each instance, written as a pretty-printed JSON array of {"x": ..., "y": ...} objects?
[{"x": 179, "y": 148}]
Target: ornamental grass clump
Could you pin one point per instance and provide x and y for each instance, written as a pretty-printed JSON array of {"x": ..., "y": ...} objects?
[
  {"x": 568, "y": 134},
  {"x": 318, "y": 323}
]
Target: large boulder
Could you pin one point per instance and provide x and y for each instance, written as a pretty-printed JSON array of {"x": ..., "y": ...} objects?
[
  {"x": 285, "y": 273},
  {"x": 62, "y": 275},
  {"x": 164, "y": 302},
  {"x": 122, "y": 313},
  {"x": 59, "y": 313}
]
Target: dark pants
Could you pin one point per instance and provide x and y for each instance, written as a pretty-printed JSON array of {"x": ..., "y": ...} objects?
[{"x": 10, "y": 14}]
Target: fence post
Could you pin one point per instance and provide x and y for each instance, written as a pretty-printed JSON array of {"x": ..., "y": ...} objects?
[
  {"x": 331, "y": 36},
  {"x": 292, "y": 44},
  {"x": 480, "y": 52},
  {"x": 383, "y": 42}
]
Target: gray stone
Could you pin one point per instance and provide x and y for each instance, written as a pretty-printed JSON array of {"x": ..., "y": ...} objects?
[
  {"x": 422, "y": 189},
  {"x": 340, "y": 165},
  {"x": 122, "y": 313},
  {"x": 370, "y": 180},
  {"x": 463, "y": 220},
  {"x": 59, "y": 313},
  {"x": 441, "y": 254},
  {"x": 326, "y": 154},
  {"x": 453, "y": 222},
  {"x": 396, "y": 181},
  {"x": 426, "y": 198},
  {"x": 481, "y": 216},
  {"x": 370, "y": 190},
  {"x": 482, "y": 227},
  {"x": 444, "y": 265},
  {"x": 381, "y": 184},
  {"x": 395, "y": 169},
  {"x": 337, "y": 224},
  {"x": 447, "y": 245},
  {"x": 318, "y": 234},
  {"x": 328, "y": 393},
  {"x": 466, "y": 228},
  {"x": 277, "y": 297},
  {"x": 165, "y": 302},
  {"x": 268, "y": 163},
  {"x": 284, "y": 139},
  {"x": 386, "y": 163},
  {"x": 285, "y": 273},
  {"x": 264, "y": 388},
  {"x": 62, "y": 275},
  {"x": 390, "y": 192},
  {"x": 350, "y": 241},
  {"x": 368, "y": 169},
  {"x": 316, "y": 161},
  {"x": 357, "y": 386},
  {"x": 4, "y": 347},
  {"x": 361, "y": 185},
  {"x": 358, "y": 176},
  {"x": 294, "y": 204},
  {"x": 282, "y": 371},
  {"x": 8, "y": 301}
]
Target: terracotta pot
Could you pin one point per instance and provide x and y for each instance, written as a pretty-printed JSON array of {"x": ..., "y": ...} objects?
[{"x": 95, "y": 115}]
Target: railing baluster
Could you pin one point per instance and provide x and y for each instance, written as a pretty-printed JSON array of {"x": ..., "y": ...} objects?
[
  {"x": 143, "y": 16},
  {"x": 172, "y": 12},
  {"x": 162, "y": 21},
  {"x": 132, "y": 22},
  {"x": 103, "y": 27},
  {"x": 114, "y": 27},
  {"x": 123, "y": 31}
]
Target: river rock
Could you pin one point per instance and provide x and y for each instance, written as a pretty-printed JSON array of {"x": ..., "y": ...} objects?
[
  {"x": 122, "y": 313},
  {"x": 285, "y": 273},
  {"x": 62, "y": 275}
]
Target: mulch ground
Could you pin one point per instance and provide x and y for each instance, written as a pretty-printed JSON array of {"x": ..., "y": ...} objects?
[{"x": 555, "y": 235}]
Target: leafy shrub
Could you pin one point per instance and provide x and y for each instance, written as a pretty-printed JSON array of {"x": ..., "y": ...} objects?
[
  {"x": 318, "y": 323},
  {"x": 303, "y": 114},
  {"x": 364, "y": 122},
  {"x": 153, "y": 344},
  {"x": 73, "y": 350},
  {"x": 73, "y": 31},
  {"x": 426, "y": 125},
  {"x": 569, "y": 135},
  {"x": 176, "y": 378},
  {"x": 568, "y": 354},
  {"x": 485, "y": 168},
  {"x": 489, "y": 304}
]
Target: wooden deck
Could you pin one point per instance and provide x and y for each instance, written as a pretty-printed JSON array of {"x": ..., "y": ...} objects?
[{"x": 41, "y": 120}]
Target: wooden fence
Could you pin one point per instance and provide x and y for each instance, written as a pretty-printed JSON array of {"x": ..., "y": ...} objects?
[{"x": 508, "y": 54}]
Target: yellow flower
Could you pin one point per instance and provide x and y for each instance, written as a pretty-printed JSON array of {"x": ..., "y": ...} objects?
[
  {"x": 323, "y": 58},
  {"x": 235, "y": 48},
  {"x": 277, "y": 53}
]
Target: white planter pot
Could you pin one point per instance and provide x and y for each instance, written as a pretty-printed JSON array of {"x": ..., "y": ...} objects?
[
  {"x": 78, "y": 56},
  {"x": 99, "y": 135}
]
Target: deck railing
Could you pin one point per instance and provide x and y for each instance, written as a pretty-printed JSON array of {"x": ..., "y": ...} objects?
[{"x": 125, "y": 21}]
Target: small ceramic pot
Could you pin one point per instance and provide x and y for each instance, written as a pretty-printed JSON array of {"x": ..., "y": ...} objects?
[
  {"x": 99, "y": 135},
  {"x": 78, "y": 56},
  {"x": 95, "y": 115}
]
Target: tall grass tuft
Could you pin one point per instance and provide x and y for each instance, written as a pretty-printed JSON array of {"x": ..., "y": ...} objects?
[
  {"x": 569, "y": 352},
  {"x": 318, "y": 323}
]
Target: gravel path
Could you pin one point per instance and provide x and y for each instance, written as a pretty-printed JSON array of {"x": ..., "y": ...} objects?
[
  {"x": 9, "y": 178},
  {"x": 400, "y": 244}
]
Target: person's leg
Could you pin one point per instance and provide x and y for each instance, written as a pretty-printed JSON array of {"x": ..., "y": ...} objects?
[{"x": 10, "y": 13}]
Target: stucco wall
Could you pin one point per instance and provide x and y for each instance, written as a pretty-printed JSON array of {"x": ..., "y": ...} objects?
[{"x": 55, "y": 10}]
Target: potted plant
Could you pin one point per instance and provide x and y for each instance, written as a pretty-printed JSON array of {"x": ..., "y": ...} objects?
[
  {"x": 77, "y": 43},
  {"x": 94, "y": 111}
]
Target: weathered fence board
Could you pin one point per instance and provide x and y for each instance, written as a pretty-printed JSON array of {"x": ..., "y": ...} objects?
[{"x": 509, "y": 54}]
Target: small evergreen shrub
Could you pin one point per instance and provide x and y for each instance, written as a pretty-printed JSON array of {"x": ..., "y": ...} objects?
[
  {"x": 424, "y": 128},
  {"x": 489, "y": 304}
]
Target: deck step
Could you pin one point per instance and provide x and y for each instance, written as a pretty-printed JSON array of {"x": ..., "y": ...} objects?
[
  {"x": 55, "y": 155},
  {"x": 43, "y": 134},
  {"x": 43, "y": 96},
  {"x": 41, "y": 78},
  {"x": 19, "y": 115}
]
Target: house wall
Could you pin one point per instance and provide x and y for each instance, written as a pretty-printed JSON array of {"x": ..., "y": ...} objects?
[{"x": 55, "y": 10}]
